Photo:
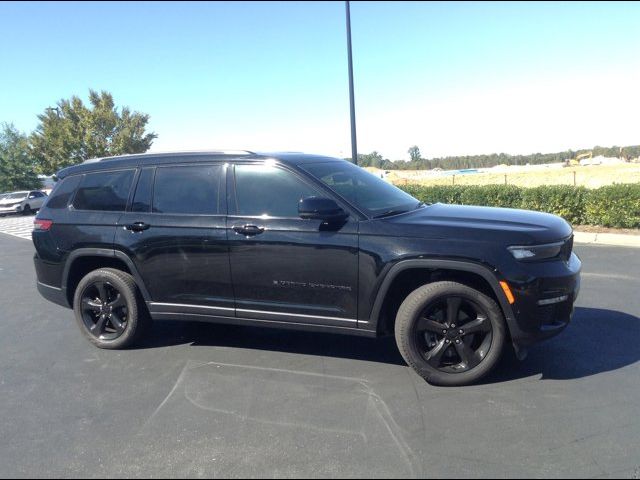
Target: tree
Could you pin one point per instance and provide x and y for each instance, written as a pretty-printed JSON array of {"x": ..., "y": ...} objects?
[
  {"x": 73, "y": 132},
  {"x": 414, "y": 154},
  {"x": 17, "y": 168}
]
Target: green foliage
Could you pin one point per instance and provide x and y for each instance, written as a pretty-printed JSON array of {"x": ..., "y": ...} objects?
[
  {"x": 486, "y": 161},
  {"x": 414, "y": 154},
  {"x": 73, "y": 132},
  {"x": 17, "y": 169},
  {"x": 615, "y": 206}
]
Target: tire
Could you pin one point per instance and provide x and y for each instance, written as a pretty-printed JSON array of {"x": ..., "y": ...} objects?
[
  {"x": 438, "y": 352},
  {"x": 111, "y": 294},
  {"x": 26, "y": 210}
]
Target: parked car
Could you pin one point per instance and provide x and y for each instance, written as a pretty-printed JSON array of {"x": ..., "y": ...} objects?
[
  {"x": 25, "y": 202},
  {"x": 303, "y": 242}
]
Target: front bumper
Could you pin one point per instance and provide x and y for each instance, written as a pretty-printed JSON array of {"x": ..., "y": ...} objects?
[
  {"x": 13, "y": 209},
  {"x": 544, "y": 303}
]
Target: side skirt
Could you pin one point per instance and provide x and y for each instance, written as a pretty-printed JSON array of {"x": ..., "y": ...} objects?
[{"x": 252, "y": 322}]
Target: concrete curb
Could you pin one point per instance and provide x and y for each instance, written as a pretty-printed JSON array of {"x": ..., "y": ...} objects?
[{"x": 616, "y": 239}]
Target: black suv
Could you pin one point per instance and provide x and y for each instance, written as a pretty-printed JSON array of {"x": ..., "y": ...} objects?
[{"x": 300, "y": 241}]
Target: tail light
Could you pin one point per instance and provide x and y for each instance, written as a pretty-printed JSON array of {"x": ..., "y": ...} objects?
[{"x": 42, "y": 225}]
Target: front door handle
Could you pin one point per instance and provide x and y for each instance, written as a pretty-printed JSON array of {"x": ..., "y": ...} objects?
[
  {"x": 137, "y": 226},
  {"x": 248, "y": 229}
]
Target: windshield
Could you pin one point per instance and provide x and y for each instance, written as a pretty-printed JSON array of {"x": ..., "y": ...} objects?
[
  {"x": 365, "y": 190},
  {"x": 16, "y": 195}
]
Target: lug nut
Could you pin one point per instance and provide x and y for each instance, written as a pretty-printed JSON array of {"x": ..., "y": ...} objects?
[
  {"x": 460, "y": 331},
  {"x": 458, "y": 341},
  {"x": 447, "y": 341},
  {"x": 453, "y": 325},
  {"x": 444, "y": 331}
]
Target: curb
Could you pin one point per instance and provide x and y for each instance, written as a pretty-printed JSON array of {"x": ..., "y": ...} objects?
[{"x": 615, "y": 239}]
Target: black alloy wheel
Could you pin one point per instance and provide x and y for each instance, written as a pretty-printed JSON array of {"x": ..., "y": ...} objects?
[
  {"x": 454, "y": 334},
  {"x": 450, "y": 333},
  {"x": 104, "y": 310},
  {"x": 109, "y": 309}
]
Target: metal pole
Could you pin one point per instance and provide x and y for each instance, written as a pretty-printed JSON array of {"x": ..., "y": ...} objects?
[{"x": 352, "y": 105}]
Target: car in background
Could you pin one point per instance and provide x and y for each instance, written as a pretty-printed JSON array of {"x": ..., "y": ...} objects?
[{"x": 25, "y": 202}]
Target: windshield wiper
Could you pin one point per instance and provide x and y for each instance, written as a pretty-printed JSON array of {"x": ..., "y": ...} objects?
[{"x": 390, "y": 213}]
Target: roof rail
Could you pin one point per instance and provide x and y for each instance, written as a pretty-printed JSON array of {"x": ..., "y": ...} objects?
[{"x": 182, "y": 152}]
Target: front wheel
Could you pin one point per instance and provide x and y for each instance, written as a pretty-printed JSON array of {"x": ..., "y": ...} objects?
[
  {"x": 27, "y": 210},
  {"x": 449, "y": 333},
  {"x": 109, "y": 310}
]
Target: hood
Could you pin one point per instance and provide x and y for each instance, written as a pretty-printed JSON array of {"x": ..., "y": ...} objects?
[{"x": 505, "y": 225}]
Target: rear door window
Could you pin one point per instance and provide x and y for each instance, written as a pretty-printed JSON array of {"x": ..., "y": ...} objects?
[
  {"x": 191, "y": 190},
  {"x": 142, "y": 197}
]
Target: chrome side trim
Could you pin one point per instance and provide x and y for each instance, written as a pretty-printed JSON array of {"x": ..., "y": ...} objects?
[
  {"x": 159, "y": 304},
  {"x": 265, "y": 312},
  {"x": 49, "y": 286}
]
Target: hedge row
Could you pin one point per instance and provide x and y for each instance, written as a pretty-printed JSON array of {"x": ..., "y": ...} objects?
[{"x": 616, "y": 206}]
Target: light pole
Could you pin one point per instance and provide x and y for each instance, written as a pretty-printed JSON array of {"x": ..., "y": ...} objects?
[{"x": 352, "y": 105}]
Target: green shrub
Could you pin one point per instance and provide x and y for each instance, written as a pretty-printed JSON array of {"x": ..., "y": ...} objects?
[
  {"x": 614, "y": 206},
  {"x": 611, "y": 206}
]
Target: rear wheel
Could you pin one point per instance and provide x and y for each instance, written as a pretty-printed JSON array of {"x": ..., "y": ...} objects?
[
  {"x": 449, "y": 333},
  {"x": 109, "y": 310}
]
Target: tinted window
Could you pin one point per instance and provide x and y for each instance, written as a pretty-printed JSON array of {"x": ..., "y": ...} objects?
[
  {"x": 106, "y": 191},
  {"x": 63, "y": 191},
  {"x": 189, "y": 190},
  {"x": 268, "y": 190},
  {"x": 367, "y": 191},
  {"x": 142, "y": 198}
]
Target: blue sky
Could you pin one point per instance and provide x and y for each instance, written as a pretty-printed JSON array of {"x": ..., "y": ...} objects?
[{"x": 453, "y": 78}]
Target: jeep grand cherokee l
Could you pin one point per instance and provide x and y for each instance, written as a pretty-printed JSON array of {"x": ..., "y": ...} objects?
[{"x": 305, "y": 242}]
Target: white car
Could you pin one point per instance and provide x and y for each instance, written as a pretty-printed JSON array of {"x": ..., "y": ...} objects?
[{"x": 25, "y": 202}]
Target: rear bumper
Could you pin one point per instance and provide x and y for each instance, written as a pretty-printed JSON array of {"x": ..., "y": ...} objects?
[
  {"x": 48, "y": 275},
  {"x": 53, "y": 294},
  {"x": 544, "y": 306}
]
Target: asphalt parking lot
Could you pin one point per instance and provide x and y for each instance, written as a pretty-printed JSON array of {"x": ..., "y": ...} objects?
[{"x": 199, "y": 400}]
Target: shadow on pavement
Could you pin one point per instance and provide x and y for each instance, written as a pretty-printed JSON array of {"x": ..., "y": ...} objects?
[
  {"x": 597, "y": 341},
  {"x": 167, "y": 333}
]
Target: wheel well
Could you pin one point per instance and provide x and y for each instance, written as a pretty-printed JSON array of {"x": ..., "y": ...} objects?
[
  {"x": 83, "y": 265},
  {"x": 409, "y": 280}
]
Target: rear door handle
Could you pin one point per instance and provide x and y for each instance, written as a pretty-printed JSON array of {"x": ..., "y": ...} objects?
[
  {"x": 248, "y": 229},
  {"x": 137, "y": 226}
]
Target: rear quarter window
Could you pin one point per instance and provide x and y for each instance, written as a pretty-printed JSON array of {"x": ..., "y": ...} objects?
[
  {"x": 104, "y": 191},
  {"x": 63, "y": 191}
]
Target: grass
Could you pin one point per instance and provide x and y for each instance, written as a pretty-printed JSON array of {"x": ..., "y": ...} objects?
[{"x": 593, "y": 176}]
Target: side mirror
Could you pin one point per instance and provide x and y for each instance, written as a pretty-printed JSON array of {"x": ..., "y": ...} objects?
[
  {"x": 32, "y": 196},
  {"x": 319, "y": 208}
]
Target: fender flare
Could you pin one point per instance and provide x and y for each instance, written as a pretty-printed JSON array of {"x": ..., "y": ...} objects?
[
  {"x": 103, "y": 252},
  {"x": 463, "y": 266}
]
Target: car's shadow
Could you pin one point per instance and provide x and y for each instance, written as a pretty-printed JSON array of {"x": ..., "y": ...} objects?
[{"x": 596, "y": 341}]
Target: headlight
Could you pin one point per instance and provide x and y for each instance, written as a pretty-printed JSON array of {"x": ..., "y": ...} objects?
[{"x": 536, "y": 252}]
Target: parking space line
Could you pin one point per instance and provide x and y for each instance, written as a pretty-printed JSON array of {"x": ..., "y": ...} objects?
[{"x": 20, "y": 227}]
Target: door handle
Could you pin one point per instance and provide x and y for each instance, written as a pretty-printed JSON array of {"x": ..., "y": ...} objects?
[
  {"x": 137, "y": 226},
  {"x": 248, "y": 229}
]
